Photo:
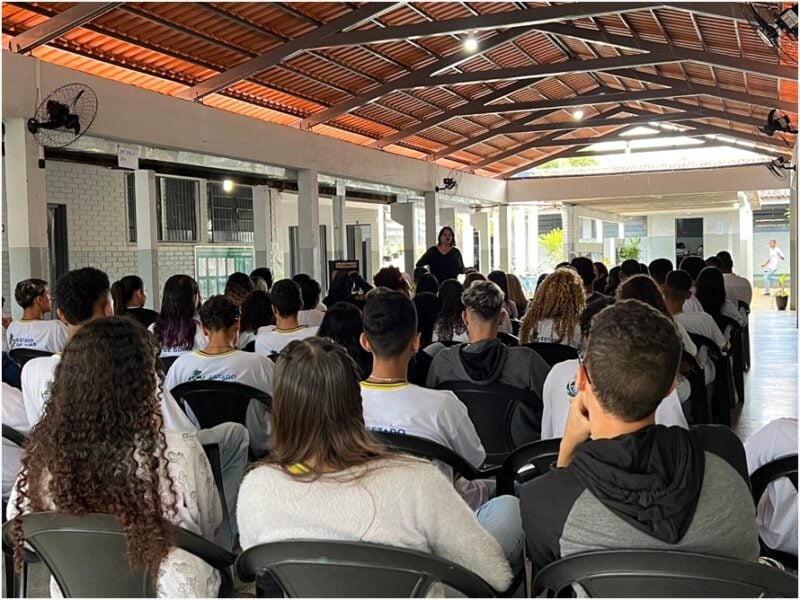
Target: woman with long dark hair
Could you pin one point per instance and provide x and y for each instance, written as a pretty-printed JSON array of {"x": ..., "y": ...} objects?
[
  {"x": 129, "y": 298},
  {"x": 444, "y": 259},
  {"x": 178, "y": 328},
  {"x": 84, "y": 457},
  {"x": 256, "y": 312},
  {"x": 328, "y": 478},
  {"x": 516, "y": 294},
  {"x": 450, "y": 325},
  {"x": 342, "y": 323},
  {"x": 600, "y": 277},
  {"x": 709, "y": 289}
]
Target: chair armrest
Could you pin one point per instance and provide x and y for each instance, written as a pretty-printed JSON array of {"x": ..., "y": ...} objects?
[{"x": 214, "y": 555}]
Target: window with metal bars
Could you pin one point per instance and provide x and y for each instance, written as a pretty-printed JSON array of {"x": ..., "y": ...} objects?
[
  {"x": 130, "y": 197},
  {"x": 230, "y": 214},
  {"x": 770, "y": 219},
  {"x": 176, "y": 209}
]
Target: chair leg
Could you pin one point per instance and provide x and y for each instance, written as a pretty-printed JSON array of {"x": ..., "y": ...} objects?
[{"x": 21, "y": 582}]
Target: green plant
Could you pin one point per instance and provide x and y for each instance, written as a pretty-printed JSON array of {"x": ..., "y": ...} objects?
[
  {"x": 630, "y": 250},
  {"x": 574, "y": 161},
  {"x": 782, "y": 283},
  {"x": 553, "y": 244}
]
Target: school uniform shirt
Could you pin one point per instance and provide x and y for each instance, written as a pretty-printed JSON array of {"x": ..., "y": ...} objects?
[
  {"x": 245, "y": 337},
  {"x": 198, "y": 509},
  {"x": 777, "y": 508},
  {"x": 238, "y": 367},
  {"x": 37, "y": 383},
  {"x": 738, "y": 288},
  {"x": 271, "y": 340},
  {"x": 692, "y": 304},
  {"x": 546, "y": 334},
  {"x": 560, "y": 389},
  {"x": 310, "y": 317},
  {"x": 436, "y": 415},
  {"x": 14, "y": 415},
  {"x": 199, "y": 343},
  {"x": 701, "y": 323},
  {"x": 37, "y": 334}
]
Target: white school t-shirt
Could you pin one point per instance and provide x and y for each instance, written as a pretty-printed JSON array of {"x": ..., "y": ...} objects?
[
  {"x": 245, "y": 337},
  {"x": 777, "y": 508},
  {"x": 546, "y": 334},
  {"x": 310, "y": 317},
  {"x": 199, "y": 343},
  {"x": 692, "y": 304},
  {"x": 271, "y": 340},
  {"x": 235, "y": 366},
  {"x": 14, "y": 415},
  {"x": 559, "y": 390},
  {"x": 738, "y": 288},
  {"x": 37, "y": 382},
  {"x": 37, "y": 334}
]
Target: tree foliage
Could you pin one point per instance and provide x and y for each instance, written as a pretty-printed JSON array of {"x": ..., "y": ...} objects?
[{"x": 553, "y": 244}]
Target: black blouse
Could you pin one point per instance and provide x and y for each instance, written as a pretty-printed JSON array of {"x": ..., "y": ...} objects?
[{"x": 442, "y": 266}]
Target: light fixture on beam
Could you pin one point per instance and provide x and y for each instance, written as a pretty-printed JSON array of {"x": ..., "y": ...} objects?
[
  {"x": 471, "y": 43},
  {"x": 227, "y": 185},
  {"x": 577, "y": 115}
]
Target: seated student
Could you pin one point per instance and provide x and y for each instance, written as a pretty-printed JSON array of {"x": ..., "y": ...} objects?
[
  {"x": 32, "y": 331},
  {"x": 392, "y": 278},
  {"x": 130, "y": 297},
  {"x": 777, "y": 508},
  {"x": 393, "y": 404},
  {"x": 629, "y": 268},
  {"x": 310, "y": 291},
  {"x": 13, "y": 416},
  {"x": 613, "y": 281},
  {"x": 237, "y": 287},
  {"x": 554, "y": 313},
  {"x": 287, "y": 301},
  {"x": 449, "y": 324},
  {"x": 486, "y": 360},
  {"x": 737, "y": 288},
  {"x": 343, "y": 325},
  {"x": 692, "y": 265},
  {"x": 256, "y": 313},
  {"x": 710, "y": 292},
  {"x": 425, "y": 282},
  {"x": 427, "y": 305},
  {"x": 83, "y": 458},
  {"x": 517, "y": 295},
  {"x": 659, "y": 269},
  {"x": 177, "y": 328},
  {"x": 559, "y": 387},
  {"x": 221, "y": 361},
  {"x": 677, "y": 289},
  {"x": 624, "y": 482},
  {"x": 347, "y": 287},
  {"x": 584, "y": 267},
  {"x": 264, "y": 274},
  {"x": 83, "y": 296},
  {"x": 327, "y": 478}
]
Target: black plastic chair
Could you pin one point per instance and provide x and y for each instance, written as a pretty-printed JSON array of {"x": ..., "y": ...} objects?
[
  {"x": 508, "y": 339},
  {"x": 540, "y": 457},
  {"x": 23, "y": 355},
  {"x": 745, "y": 336},
  {"x": 15, "y": 437},
  {"x": 759, "y": 481},
  {"x": 213, "y": 455},
  {"x": 515, "y": 325},
  {"x": 87, "y": 555},
  {"x": 430, "y": 450},
  {"x": 699, "y": 401},
  {"x": 662, "y": 574},
  {"x": 166, "y": 362},
  {"x": 250, "y": 346},
  {"x": 491, "y": 409},
  {"x": 734, "y": 355},
  {"x": 325, "y": 569},
  {"x": 215, "y": 402},
  {"x": 721, "y": 392},
  {"x": 18, "y": 439},
  {"x": 553, "y": 353}
]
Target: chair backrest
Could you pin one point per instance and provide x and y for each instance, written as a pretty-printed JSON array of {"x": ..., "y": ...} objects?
[
  {"x": 213, "y": 455},
  {"x": 326, "y": 569},
  {"x": 430, "y": 450},
  {"x": 507, "y": 338},
  {"x": 538, "y": 457},
  {"x": 87, "y": 555},
  {"x": 745, "y": 306},
  {"x": 766, "y": 474},
  {"x": 166, "y": 362},
  {"x": 698, "y": 398},
  {"x": 250, "y": 346},
  {"x": 491, "y": 409},
  {"x": 215, "y": 402},
  {"x": 666, "y": 574},
  {"x": 515, "y": 325},
  {"x": 553, "y": 353},
  {"x": 23, "y": 355},
  {"x": 15, "y": 437}
]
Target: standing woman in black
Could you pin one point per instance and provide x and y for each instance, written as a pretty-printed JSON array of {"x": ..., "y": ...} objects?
[{"x": 444, "y": 259}]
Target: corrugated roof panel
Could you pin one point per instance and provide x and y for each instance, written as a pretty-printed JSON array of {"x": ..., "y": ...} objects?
[
  {"x": 442, "y": 11},
  {"x": 615, "y": 25},
  {"x": 346, "y": 136},
  {"x": 287, "y": 80},
  {"x": 353, "y": 123},
  {"x": 434, "y": 138},
  {"x": 679, "y": 28},
  {"x": 280, "y": 100},
  {"x": 381, "y": 114},
  {"x": 395, "y": 149},
  {"x": 363, "y": 61},
  {"x": 541, "y": 47},
  {"x": 644, "y": 25},
  {"x": 325, "y": 71}
]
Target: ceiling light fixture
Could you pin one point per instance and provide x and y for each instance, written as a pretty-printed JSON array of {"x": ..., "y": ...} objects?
[
  {"x": 227, "y": 185},
  {"x": 471, "y": 43},
  {"x": 577, "y": 115}
]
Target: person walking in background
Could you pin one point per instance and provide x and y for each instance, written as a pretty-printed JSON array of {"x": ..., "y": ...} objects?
[{"x": 771, "y": 265}]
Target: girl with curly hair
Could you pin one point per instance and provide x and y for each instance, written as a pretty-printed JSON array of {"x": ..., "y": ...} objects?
[
  {"x": 450, "y": 326},
  {"x": 101, "y": 448},
  {"x": 256, "y": 312},
  {"x": 178, "y": 328},
  {"x": 554, "y": 314}
]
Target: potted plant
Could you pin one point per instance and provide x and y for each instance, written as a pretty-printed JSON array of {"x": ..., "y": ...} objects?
[{"x": 782, "y": 296}]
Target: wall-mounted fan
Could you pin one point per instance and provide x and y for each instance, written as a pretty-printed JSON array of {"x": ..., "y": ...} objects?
[
  {"x": 779, "y": 167},
  {"x": 777, "y": 122},
  {"x": 64, "y": 115}
]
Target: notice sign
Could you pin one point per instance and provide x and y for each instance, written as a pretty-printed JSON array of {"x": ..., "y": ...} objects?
[
  {"x": 213, "y": 264},
  {"x": 127, "y": 157},
  {"x": 345, "y": 266}
]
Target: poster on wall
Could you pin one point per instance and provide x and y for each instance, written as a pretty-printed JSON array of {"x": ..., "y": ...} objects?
[{"x": 213, "y": 264}]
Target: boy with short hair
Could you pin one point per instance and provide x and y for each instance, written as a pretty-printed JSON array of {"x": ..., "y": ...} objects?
[
  {"x": 221, "y": 361},
  {"x": 394, "y": 405},
  {"x": 287, "y": 300},
  {"x": 32, "y": 331}
]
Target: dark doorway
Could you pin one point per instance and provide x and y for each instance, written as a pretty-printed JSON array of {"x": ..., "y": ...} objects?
[
  {"x": 57, "y": 244},
  {"x": 688, "y": 239}
]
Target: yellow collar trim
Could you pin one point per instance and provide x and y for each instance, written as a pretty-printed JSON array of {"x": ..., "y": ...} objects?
[
  {"x": 384, "y": 386},
  {"x": 282, "y": 331}
]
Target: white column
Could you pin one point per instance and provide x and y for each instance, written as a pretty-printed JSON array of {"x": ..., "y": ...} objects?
[
  {"x": 308, "y": 221},
  {"x": 447, "y": 218},
  {"x": 405, "y": 214},
  {"x": 204, "y": 237},
  {"x": 569, "y": 223},
  {"x": 505, "y": 237},
  {"x": 480, "y": 221},
  {"x": 431, "y": 219},
  {"x": 793, "y": 234},
  {"x": 519, "y": 263},
  {"x": 532, "y": 239},
  {"x": 147, "y": 234},
  {"x": 262, "y": 224},
  {"x": 339, "y": 228},
  {"x": 743, "y": 259},
  {"x": 27, "y": 209}
]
